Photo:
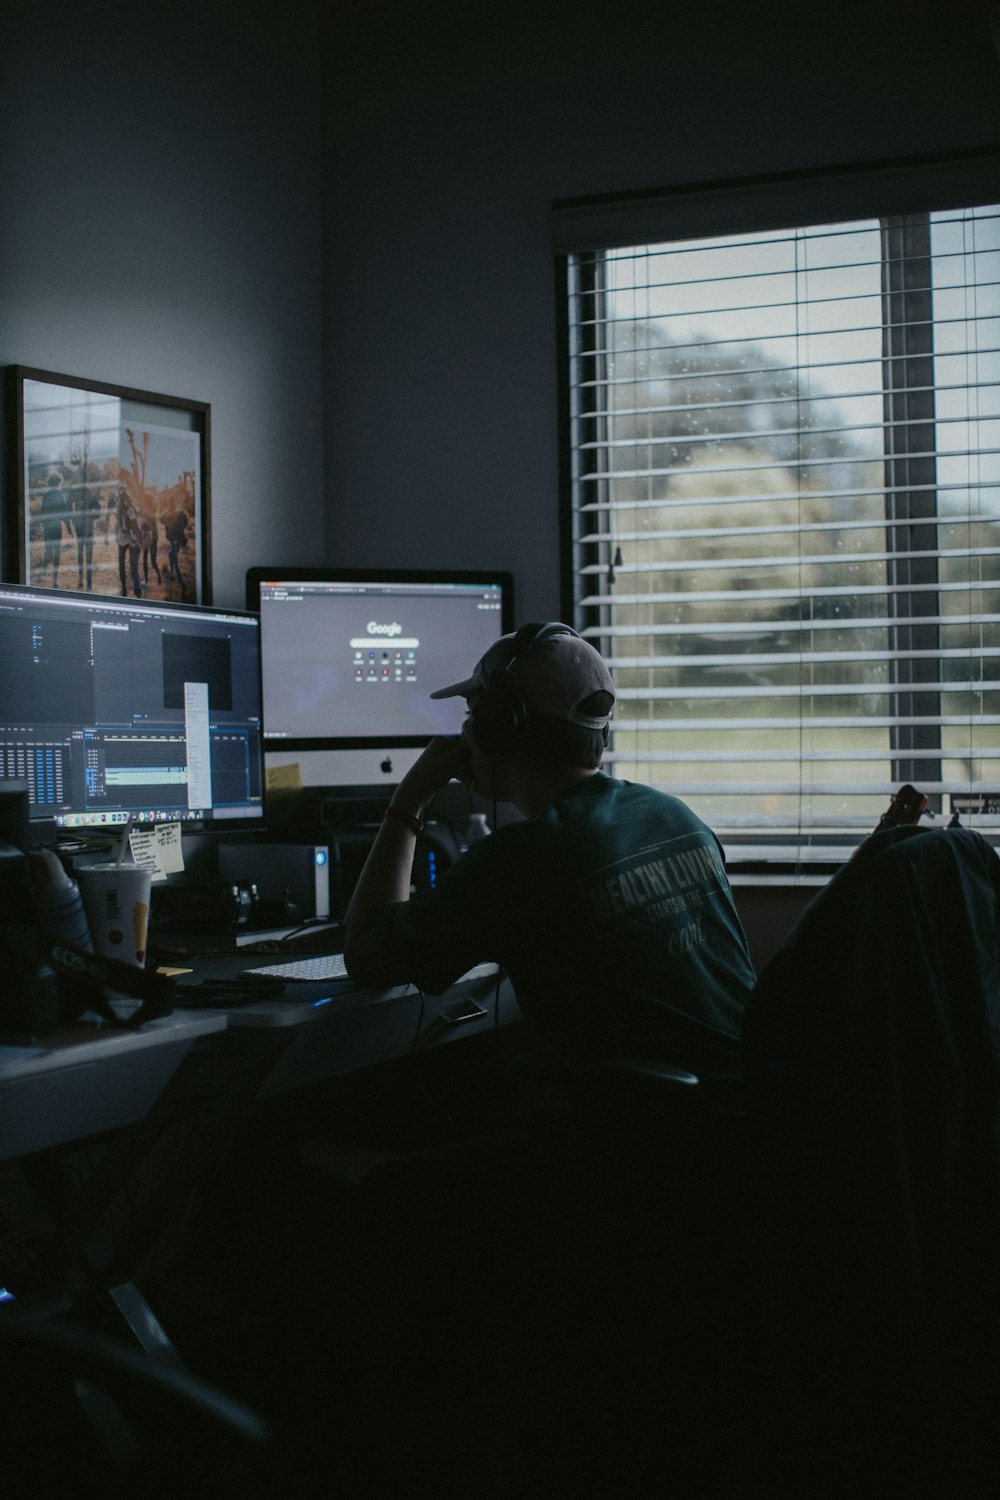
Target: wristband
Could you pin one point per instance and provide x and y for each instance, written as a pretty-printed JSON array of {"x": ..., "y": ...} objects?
[{"x": 413, "y": 823}]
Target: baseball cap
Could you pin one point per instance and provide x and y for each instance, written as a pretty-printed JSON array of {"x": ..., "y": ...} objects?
[{"x": 556, "y": 675}]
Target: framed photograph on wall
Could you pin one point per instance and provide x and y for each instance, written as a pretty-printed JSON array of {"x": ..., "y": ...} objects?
[{"x": 107, "y": 488}]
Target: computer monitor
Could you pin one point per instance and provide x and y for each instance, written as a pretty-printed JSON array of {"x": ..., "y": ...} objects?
[
  {"x": 116, "y": 708},
  {"x": 350, "y": 657}
]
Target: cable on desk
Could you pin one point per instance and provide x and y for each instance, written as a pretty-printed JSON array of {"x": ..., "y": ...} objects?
[{"x": 331, "y": 927}]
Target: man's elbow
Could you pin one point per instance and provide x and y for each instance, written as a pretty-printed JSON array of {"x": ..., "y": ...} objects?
[{"x": 367, "y": 965}]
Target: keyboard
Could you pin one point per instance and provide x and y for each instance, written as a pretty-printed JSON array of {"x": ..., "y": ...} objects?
[{"x": 320, "y": 966}]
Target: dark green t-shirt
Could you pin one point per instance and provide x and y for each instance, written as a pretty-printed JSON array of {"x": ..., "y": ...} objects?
[{"x": 612, "y": 914}]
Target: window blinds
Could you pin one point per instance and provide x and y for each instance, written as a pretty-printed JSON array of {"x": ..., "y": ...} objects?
[{"x": 785, "y": 472}]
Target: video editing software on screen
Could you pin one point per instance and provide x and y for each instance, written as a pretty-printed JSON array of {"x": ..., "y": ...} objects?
[
  {"x": 349, "y": 662},
  {"x": 111, "y": 708}
]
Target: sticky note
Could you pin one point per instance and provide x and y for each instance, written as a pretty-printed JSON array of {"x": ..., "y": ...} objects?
[
  {"x": 283, "y": 780},
  {"x": 158, "y": 848}
]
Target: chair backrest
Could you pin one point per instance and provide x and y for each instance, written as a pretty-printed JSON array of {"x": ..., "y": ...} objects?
[
  {"x": 871, "y": 1047},
  {"x": 897, "y": 960}
]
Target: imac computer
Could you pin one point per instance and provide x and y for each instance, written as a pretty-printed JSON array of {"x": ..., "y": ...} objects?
[
  {"x": 112, "y": 708},
  {"x": 350, "y": 657}
]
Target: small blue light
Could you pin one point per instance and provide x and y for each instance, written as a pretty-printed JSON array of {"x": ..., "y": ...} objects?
[
  {"x": 6, "y": 1296},
  {"x": 325, "y": 1001},
  {"x": 321, "y": 856}
]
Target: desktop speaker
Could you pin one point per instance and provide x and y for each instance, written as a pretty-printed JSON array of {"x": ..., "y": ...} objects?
[{"x": 293, "y": 875}]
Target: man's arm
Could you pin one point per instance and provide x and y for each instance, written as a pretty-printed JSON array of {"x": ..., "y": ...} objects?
[{"x": 387, "y": 870}]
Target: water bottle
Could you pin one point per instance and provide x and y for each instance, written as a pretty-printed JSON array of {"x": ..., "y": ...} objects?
[{"x": 58, "y": 903}]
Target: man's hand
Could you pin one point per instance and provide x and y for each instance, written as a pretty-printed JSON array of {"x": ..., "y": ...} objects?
[
  {"x": 386, "y": 873},
  {"x": 443, "y": 760}
]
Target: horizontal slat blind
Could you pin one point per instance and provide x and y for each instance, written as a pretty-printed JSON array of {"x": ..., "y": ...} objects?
[{"x": 786, "y": 503}]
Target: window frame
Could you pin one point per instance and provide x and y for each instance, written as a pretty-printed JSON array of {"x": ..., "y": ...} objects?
[{"x": 901, "y": 195}]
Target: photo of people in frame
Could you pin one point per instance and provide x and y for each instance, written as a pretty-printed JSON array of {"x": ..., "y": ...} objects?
[{"x": 113, "y": 500}]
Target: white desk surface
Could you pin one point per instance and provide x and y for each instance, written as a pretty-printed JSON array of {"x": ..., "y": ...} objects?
[
  {"x": 84, "y": 1079},
  {"x": 85, "y": 1042},
  {"x": 306, "y": 1002}
]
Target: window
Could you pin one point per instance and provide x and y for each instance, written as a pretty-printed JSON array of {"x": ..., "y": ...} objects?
[{"x": 785, "y": 518}]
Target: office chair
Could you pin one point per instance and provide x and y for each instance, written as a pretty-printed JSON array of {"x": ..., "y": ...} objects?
[
  {"x": 870, "y": 1051},
  {"x": 78, "y": 1406}
]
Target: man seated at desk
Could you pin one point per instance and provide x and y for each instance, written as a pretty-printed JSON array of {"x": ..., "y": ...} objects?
[{"x": 609, "y": 906}]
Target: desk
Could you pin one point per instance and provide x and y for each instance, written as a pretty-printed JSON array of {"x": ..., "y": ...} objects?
[
  {"x": 86, "y": 1079},
  {"x": 340, "y": 1028},
  {"x": 81, "y": 1082},
  {"x": 205, "y": 1067}
]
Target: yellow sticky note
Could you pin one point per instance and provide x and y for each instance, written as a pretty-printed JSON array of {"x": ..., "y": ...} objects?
[{"x": 282, "y": 780}]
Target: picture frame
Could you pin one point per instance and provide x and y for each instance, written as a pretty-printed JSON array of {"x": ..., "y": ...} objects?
[{"x": 108, "y": 488}]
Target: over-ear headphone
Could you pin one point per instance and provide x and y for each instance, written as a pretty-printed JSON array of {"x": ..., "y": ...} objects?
[{"x": 501, "y": 715}]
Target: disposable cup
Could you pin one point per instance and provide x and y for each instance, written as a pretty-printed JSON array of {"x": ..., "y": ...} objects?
[{"x": 116, "y": 900}]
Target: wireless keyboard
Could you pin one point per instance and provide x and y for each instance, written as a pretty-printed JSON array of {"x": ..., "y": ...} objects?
[{"x": 321, "y": 966}]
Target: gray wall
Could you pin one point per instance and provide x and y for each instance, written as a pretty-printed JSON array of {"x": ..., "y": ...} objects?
[
  {"x": 453, "y": 126},
  {"x": 160, "y": 228},
  {"x": 165, "y": 222}
]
